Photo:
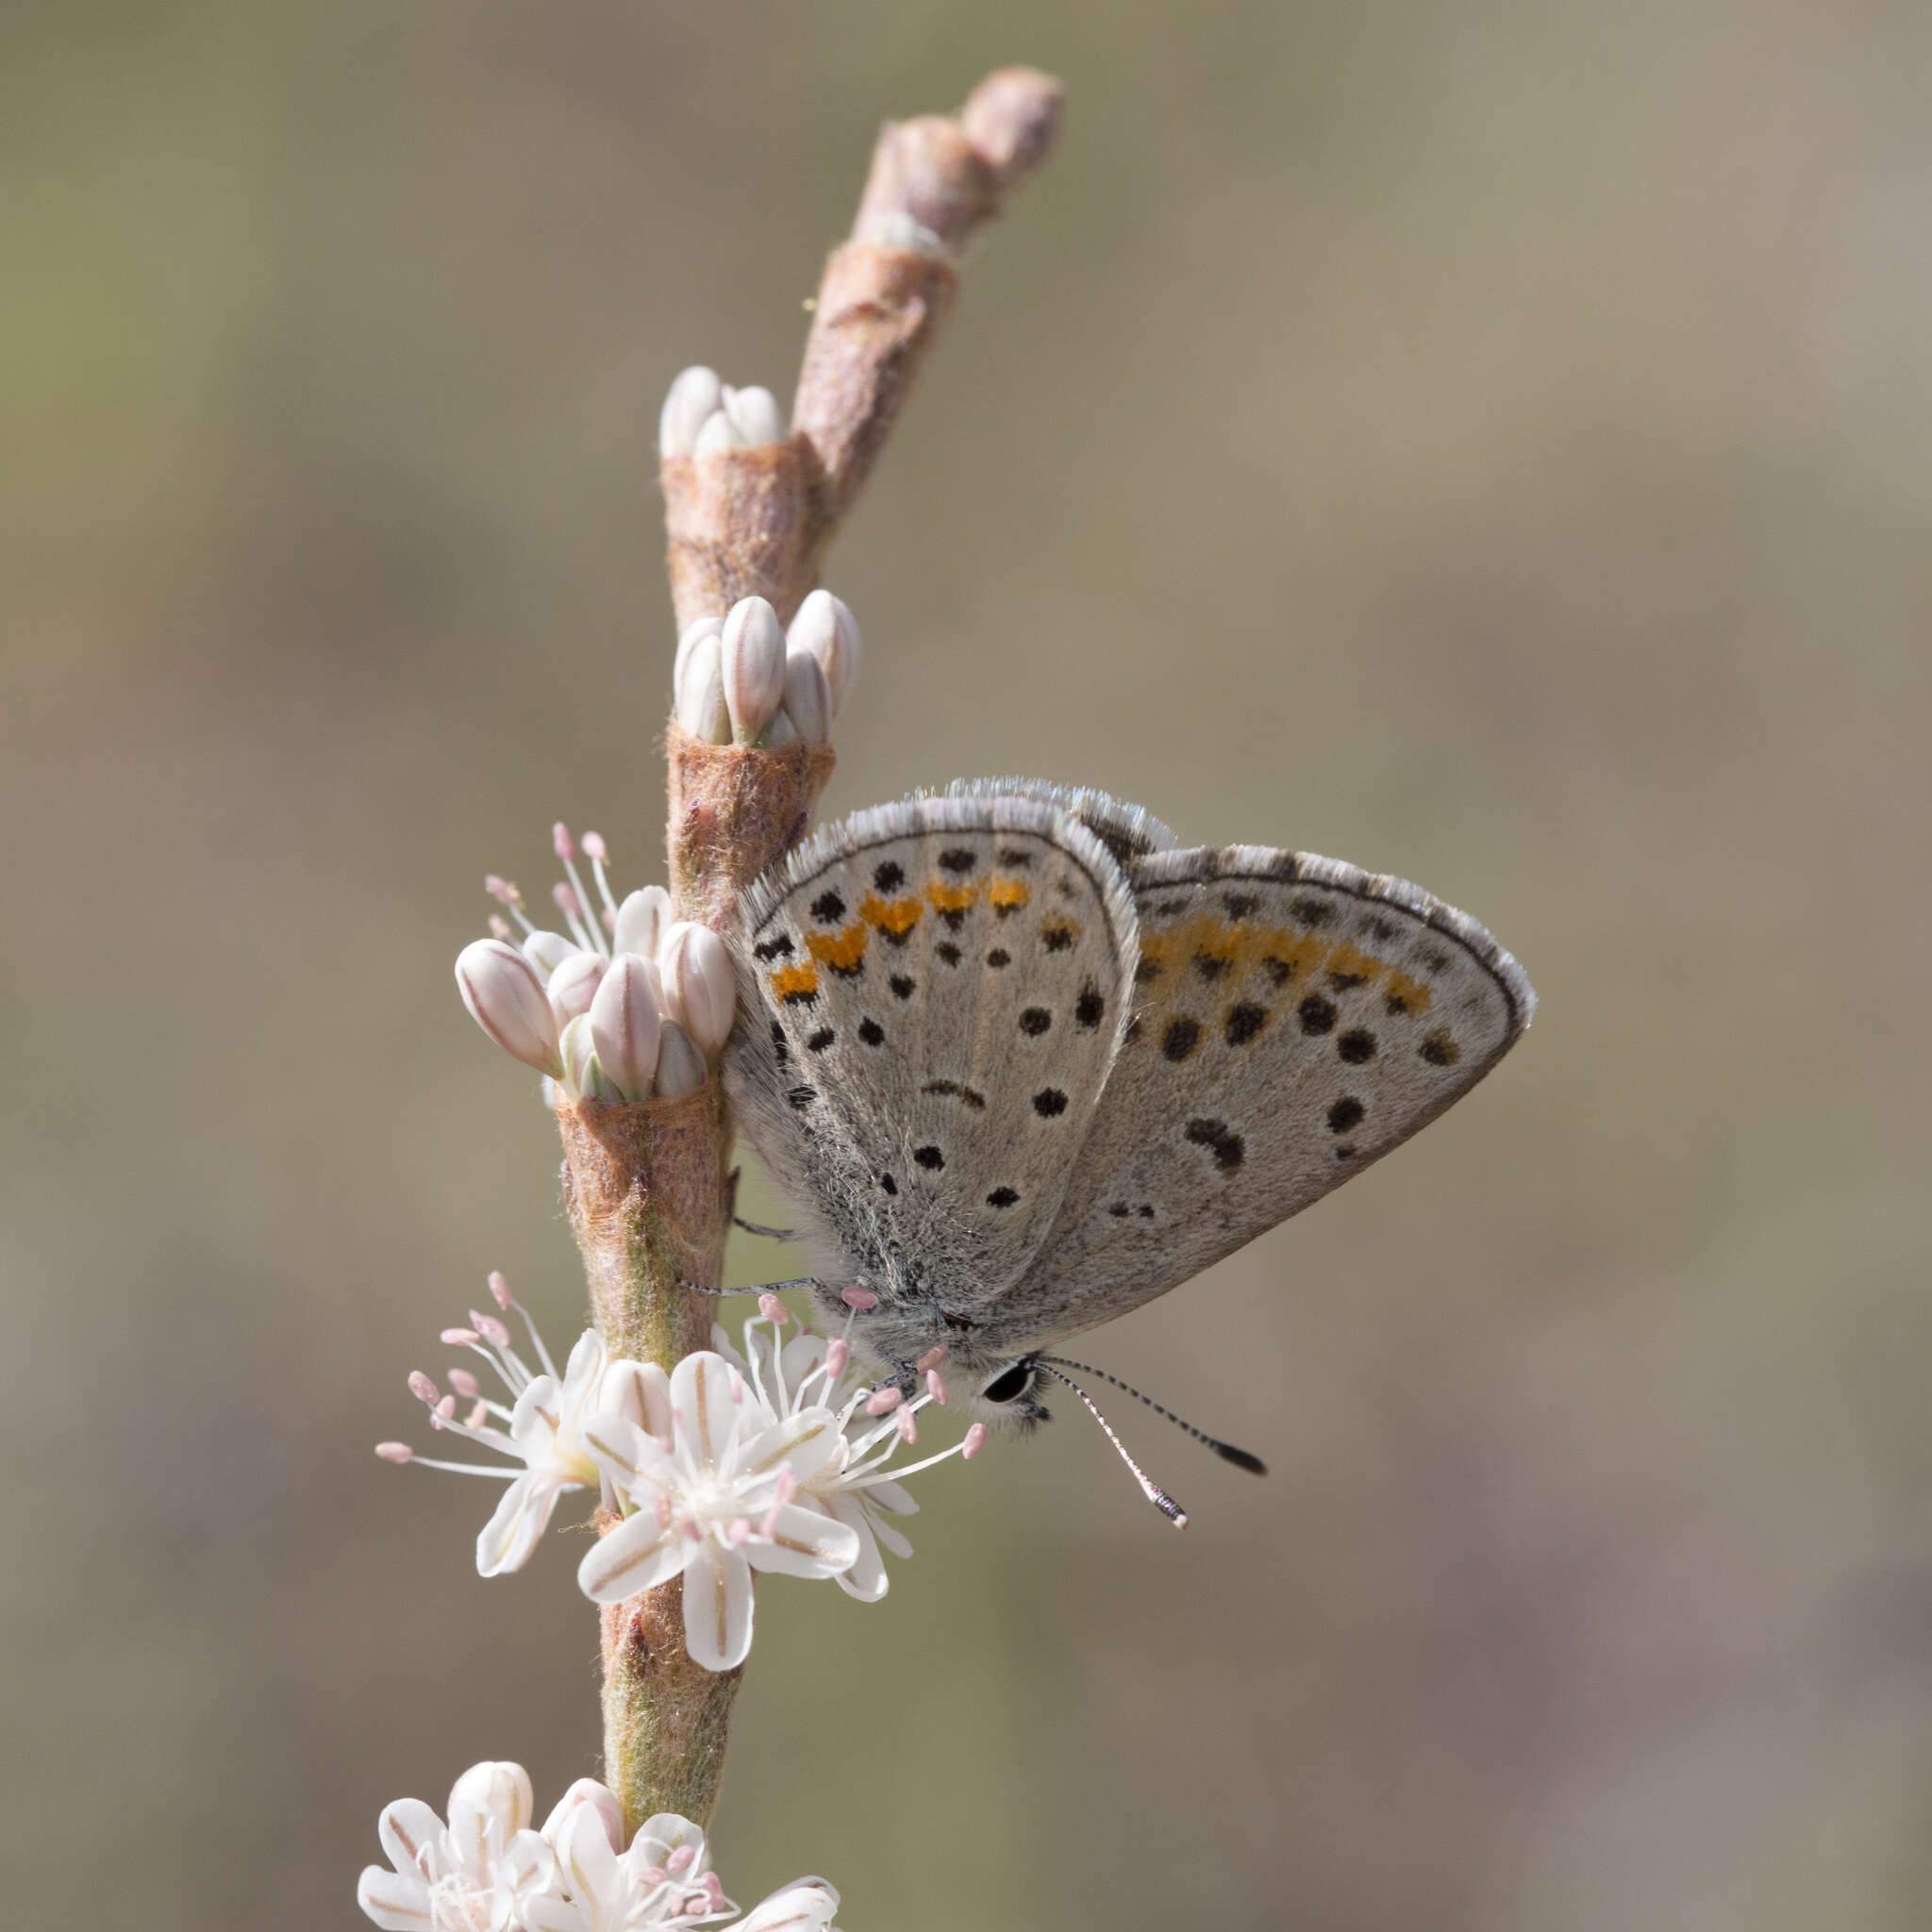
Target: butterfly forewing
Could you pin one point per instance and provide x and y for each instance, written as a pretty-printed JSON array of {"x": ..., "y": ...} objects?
[
  {"x": 931, "y": 994},
  {"x": 1292, "y": 1020}
]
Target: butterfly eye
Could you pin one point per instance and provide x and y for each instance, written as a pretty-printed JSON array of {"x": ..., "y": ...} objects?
[{"x": 1011, "y": 1383}]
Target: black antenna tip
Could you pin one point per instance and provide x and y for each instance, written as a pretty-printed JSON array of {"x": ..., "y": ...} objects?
[{"x": 1241, "y": 1459}]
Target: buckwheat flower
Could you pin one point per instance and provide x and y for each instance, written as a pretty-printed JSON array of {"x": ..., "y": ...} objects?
[
  {"x": 856, "y": 1486},
  {"x": 661, "y": 1882},
  {"x": 713, "y": 1505},
  {"x": 807, "y": 698},
  {"x": 681, "y": 1067},
  {"x": 693, "y": 397},
  {"x": 752, "y": 657},
  {"x": 825, "y": 626},
  {"x": 483, "y": 1872},
  {"x": 529, "y": 1000},
  {"x": 807, "y": 1905},
  {"x": 697, "y": 690},
  {"x": 538, "y": 1431},
  {"x": 700, "y": 989}
]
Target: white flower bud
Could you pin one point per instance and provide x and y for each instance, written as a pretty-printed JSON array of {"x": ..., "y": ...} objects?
[
  {"x": 825, "y": 626},
  {"x": 754, "y": 414},
  {"x": 548, "y": 951},
  {"x": 699, "y": 694},
  {"x": 506, "y": 998},
  {"x": 718, "y": 434},
  {"x": 693, "y": 398},
  {"x": 501, "y": 1790},
  {"x": 808, "y": 696},
  {"x": 573, "y": 985},
  {"x": 625, "y": 1023},
  {"x": 752, "y": 654},
  {"x": 687, "y": 642},
  {"x": 699, "y": 991},
  {"x": 582, "y": 1074},
  {"x": 781, "y": 730},
  {"x": 680, "y": 1065},
  {"x": 640, "y": 922}
]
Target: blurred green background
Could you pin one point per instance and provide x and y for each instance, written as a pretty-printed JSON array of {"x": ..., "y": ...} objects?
[{"x": 1486, "y": 442}]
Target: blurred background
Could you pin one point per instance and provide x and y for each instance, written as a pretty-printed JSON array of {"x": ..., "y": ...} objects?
[{"x": 1486, "y": 442}]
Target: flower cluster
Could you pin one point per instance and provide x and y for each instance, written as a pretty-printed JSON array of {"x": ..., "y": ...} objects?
[
  {"x": 624, "y": 1003},
  {"x": 703, "y": 417},
  {"x": 745, "y": 679},
  {"x": 779, "y": 1457},
  {"x": 488, "y": 1871}
]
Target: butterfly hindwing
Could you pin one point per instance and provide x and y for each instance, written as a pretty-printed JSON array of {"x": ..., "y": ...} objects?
[
  {"x": 1293, "y": 1020},
  {"x": 931, "y": 994}
]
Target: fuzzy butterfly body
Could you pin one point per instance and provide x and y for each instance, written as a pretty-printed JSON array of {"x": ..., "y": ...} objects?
[{"x": 1023, "y": 1065}]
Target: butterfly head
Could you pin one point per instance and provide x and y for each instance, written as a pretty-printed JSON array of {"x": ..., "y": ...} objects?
[{"x": 1011, "y": 1393}]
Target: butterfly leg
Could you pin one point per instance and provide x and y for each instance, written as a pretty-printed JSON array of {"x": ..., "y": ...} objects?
[
  {"x": 774, "y": 1234},
  {"x": 757, "y": 1287}
]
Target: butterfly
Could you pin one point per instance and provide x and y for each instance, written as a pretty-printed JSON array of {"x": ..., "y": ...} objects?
[{"x": 1021, "y": 1063}]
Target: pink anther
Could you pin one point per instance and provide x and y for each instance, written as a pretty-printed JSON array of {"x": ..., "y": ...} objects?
[
  {"x": 838, "y": 1353},
  {"x": 859, "y": 1298},
  {"x": 465, "y": 1384},
  {"x": 593, "y": 844},
  {"x": 423, "y": 1389},
  {"x": 932, "y": 1359},
  {"x": 499, "y": 928},
  {"x": 444, "y": 1411},
  {"x": 395, "y": 1452},
  {"x": 559, "y": 838},
  {"x": 909, "y": 1428},
  {"x": 883, "y": 1401},
  {"x": 479, "y": 1415},
  {"x": 740, "y": 1531},
  {"x": 680, "y": 1860},
  {"x": 567, "y": 901},
  {"x": 934, "y": 1387},
  {"x": 491, "y": 1329},
  {"x": 460, "y": 1338},
  {"x": 772, "y": 1310},
  {"x": 499, "y": 1289},
  {"x": 974, "y": 1442},
  {"x": 501, "y": 890}
]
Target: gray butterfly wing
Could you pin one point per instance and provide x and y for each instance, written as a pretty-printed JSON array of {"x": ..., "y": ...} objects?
[
  {"x": 1294, "y": 1019},
  {"x": 930, "y": 996},
  {"x": 1129, "y": 832}
]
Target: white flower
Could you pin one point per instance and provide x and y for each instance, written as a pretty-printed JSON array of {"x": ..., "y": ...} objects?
[
  {"x": 482, "y": 1872},
  {"x": 711, "y": 1500},
  {"x": 856, "y": 1485},
  {"x": 608, "y": 1009},
  {"x": 542, "y": 1433},
  {"x": 807, "y": 1905},
  {"x": 661, "y": 1881}
]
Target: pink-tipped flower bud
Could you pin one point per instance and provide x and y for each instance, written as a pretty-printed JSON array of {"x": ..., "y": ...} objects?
[
  {"x": 698, "y": 696},
  {"x": 625, "y": 1023},
  {"x": 807, "y": 698},
  {"x": 700, "y": 991},
  {"x": 499, "y": 1289},
  {"x": 825, "y": 626},
  {"x": 582, "y": 1074},
  {"x": 680, "y": 1066},
  {"x": 974, "y": 1442},
  {"x": 423, "y": 1389},
  {"x": 691, "y": 399},
  {"x": 573, "y": 986},
  {"x": 500, "y": 1791},
  {"x": 548, "y": 951},
  {"x": 641, "y": 920},
  {"x": 506, "y": 998},
  {"x": 755, "y": 415},
  {"x": 752, "y": 661},
  {"x": 587, "y": 1795}
]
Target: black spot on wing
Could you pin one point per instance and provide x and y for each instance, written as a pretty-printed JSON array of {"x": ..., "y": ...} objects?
[
  {"x": 1227, "y": 1147},
  {"x": 828, "y": 909}
]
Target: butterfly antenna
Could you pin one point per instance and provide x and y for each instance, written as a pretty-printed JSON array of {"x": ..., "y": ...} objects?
[
  {"x": 1240, "y": 1458},
  {"x": 1149, "y": 1487}
]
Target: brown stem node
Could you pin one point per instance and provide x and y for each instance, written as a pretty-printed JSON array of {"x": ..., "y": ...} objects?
[{"x": 737, "y": 524}]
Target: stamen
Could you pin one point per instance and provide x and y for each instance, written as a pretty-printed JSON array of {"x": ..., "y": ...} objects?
[
  {"x": 934, "y": 1387},
  {"x": 500, "y": 928},
  {"x": 444, "y": 1411},
  {"x": 460, "y": 1338},
  {"x": 395, "y": 1452},
  {"x": 505, "y": 895},
  {"x": 909, "y": 1429},
  {"x": 932, "y": 1359},
  {"x": 856, "y": 1297},
  {"x": 772, "y": 1310},
  {"x": 974, "y": 1442},
  {"x": 491, "y": 1329},
  {"x": 572, "y": 908},
  {"x": 1149, "y": 1487},
  {"x": 465, "y": 1384},
  {"x": 838, "y": 1353},
  {"x": 423, "y": 1389},
  {"x": 884, "y": 1399},
  {"x": 499, "y": 1289}
]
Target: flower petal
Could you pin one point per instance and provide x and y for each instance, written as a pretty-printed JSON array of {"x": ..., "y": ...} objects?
[
  {"x": 805, "y": 1543},
  {"x": 892, "y": 1497},
  {"x": 804, "y": 1444},
  {"x": 636, "y": 1556},
  {"x": 544, "y": 1914},
  {"x": 706, "y": 1416},
  {"x": 717, "y": 1605},
  {"x": 663, "y": 1833},
  {"x": 588, "y": 1793},
  {"x": 807, "y": 1905},
  {"x": 588, "y": 1862},
  {"x": 641, "y": 1392},
  {"x": 516, "y": 1525},
  {"x": 498, "y": 1789},
  {"x": 582, "y": 1372},
  {"x": 409, "y": 1829},
  {"x": 397, "y": 1901},
  {"x": 866, "y": 1578}
]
